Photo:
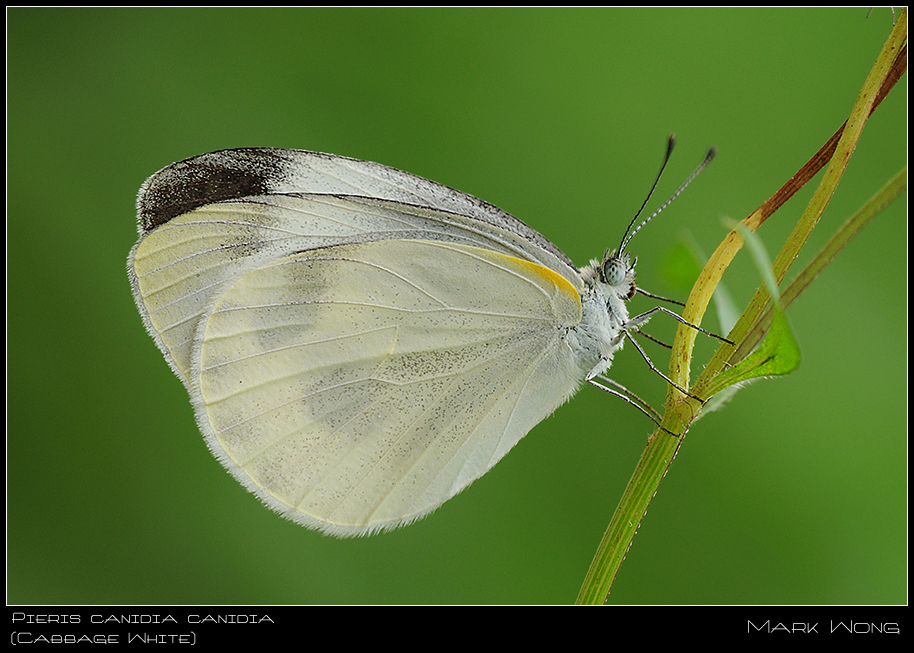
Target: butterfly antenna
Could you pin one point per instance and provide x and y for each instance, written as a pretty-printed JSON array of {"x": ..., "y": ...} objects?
[
  {"x": 671, "y": 142},
  {"x": 708, "y": 158}
]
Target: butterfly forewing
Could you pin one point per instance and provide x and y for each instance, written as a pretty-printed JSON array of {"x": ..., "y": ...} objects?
[{"x": 179, "y": 267}]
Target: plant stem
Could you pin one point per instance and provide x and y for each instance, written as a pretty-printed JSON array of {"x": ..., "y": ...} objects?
[{"x": 680, "y": 410}]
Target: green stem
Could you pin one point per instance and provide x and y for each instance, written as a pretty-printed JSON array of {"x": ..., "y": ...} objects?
[
  {"x": 895, "y": 187},
  {"x": 650, "y": 470},
  {"x": 845, "y": 148},
  {"x": 681, "y": 410}
]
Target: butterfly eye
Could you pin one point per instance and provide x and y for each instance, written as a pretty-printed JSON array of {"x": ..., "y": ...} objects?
[{"x": 614, "y": 271}]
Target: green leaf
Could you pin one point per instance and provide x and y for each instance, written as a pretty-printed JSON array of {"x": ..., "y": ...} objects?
[{"x": 778, "y": 354}]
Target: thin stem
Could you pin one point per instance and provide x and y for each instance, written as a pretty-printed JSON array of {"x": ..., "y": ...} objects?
[{"x": 680, "y": 409}]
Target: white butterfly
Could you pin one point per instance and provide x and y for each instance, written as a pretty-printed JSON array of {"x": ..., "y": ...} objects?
[{"x": 360, "y": 343}]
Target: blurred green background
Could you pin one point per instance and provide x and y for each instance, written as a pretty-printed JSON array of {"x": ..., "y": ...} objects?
[{"x": 794, "y": 493}]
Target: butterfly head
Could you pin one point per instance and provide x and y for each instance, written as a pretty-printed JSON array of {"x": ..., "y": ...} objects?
[
  {"x": 611, "y": 283},
  {"x": 618, "y": 272}
]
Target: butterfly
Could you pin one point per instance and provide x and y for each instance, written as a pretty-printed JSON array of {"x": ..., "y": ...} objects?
[{"x": 359, "y": 343}]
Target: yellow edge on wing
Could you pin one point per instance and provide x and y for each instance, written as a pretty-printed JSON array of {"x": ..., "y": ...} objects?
[{"x": 535, "y": 269}]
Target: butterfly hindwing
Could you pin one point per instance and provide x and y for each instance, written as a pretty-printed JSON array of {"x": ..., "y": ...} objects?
[{"x": 359, "y": 386}]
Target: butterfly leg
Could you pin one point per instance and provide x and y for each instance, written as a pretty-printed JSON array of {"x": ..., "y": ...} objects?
[
  {"x": 625, "y": 394},
  {"x": 640, "y": 320},
  {"x": 655, "y": 369}
]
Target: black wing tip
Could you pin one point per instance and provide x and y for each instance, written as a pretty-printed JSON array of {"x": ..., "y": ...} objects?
[{"x": 208, "y": 178}]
